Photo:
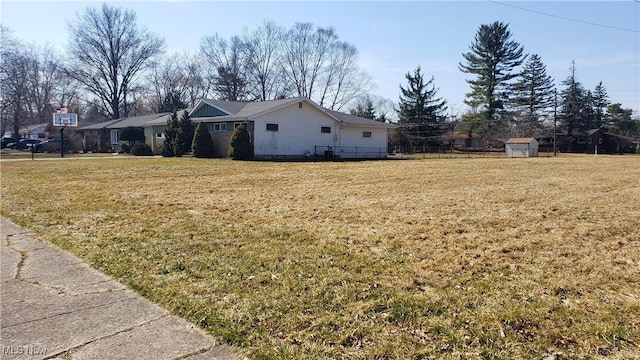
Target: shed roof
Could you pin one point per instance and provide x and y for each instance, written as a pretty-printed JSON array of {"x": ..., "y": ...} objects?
[{"x": 528, "y": 140}]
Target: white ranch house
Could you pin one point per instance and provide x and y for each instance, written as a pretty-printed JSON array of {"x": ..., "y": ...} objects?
[{"x": 294, "y": 128}]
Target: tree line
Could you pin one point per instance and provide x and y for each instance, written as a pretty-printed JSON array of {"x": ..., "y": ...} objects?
[
  {"x": 113, "y": 68},
  {"x": 510, "y": 94}
]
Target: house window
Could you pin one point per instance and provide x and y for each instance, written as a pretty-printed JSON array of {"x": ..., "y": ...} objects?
[
  {"x": 158, "y": 135},
  {"x": 366, "y": 134},
  {"x": 299, "y": 105},
  {"x": 115, "y": 136},
  {"x": 582, "y": 141},
  {"x": 220, "y": 127},
  {"x": 272, "y": 127},
  {"x": 325, "y": 129},
  {"x": 600, "y": 141},
  {"x": 590, "y": 140}
]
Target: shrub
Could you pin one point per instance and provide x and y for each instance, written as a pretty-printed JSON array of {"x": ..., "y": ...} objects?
[
  {"x": 172, "y": 136},
  {"x": 240, "y": 144},
  {"x": 202, "y": 143},
  {"x": 141, "y": 150},
  {"x": 125, "y": 148},
  {"x": 132, "y": 134}
]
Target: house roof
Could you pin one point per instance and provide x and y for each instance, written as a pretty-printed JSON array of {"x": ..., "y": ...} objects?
[
  {"x": 137, "y": 121},
  {"x": 358, "y": 121},
  {"x": 28, "y": 129},
  {"x": 528, "y": 140},
  {"x": 237, "y": 111},
  {"x": 230, "y": 107},
  {"x": 250, "y": 110}
]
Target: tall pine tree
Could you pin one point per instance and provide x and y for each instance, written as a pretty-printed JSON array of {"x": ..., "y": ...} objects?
[
  {"x": 421, "y": 112},
  {"x": 575, "y": 108},
  {"x": 186, "y": 131},
  {"x": 172, "y": 135},
  {"x": 493, "y": 59},
  {"x": 533, "y": 96},
  {"x": 600, "y": 103}
]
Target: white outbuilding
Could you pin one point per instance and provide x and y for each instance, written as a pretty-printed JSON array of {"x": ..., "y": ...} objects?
[{"x": 521, "y": 147}]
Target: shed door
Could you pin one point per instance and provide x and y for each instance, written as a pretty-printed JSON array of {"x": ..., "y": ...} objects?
[{"x": 519, "y": 152}]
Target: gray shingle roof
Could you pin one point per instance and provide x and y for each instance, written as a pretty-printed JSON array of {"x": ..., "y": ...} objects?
[
  {"x": 356, "y": 120},
  {"x": 231, "y": 107},
  {"x": 137, "y": 121},
  {"x": 238, "y": 110}
]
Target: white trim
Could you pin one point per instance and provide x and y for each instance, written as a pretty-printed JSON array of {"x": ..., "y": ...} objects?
[{"x": 114, "y": 136}]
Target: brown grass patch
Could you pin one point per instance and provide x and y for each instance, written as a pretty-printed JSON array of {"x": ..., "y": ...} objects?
[{"x": 461, "y": 258}]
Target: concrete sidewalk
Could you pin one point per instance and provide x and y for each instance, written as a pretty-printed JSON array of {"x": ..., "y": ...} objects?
[{"x": 54, "y": 306}]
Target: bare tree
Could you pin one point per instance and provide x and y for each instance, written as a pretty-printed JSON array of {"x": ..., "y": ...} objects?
[
  {"x": 197, "y": 85},
  {"x": 321, "y": 67},
  {"x": 226, "y": 63},
  {"x": 305, "y": 51},
  {"x": 167, "y": 80},
  {"x": 14, "y": 83},
  {"x": 44, "y": 76},
  {"x": 108, "y": 53},
  {"x": 263, "y": 53}
]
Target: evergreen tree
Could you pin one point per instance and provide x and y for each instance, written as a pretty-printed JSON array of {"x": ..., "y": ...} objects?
[
  {"x": 186, "y": 130},
  {"x": 171, "y": 136},
  {"x": 421, "y": 112},
  {"x": 600, "y": 103},
  {"x": 172, "y": 101},
  {"x": 493, "y": 58},
  {"x": 365, "y": 109},
  {"x": 575, "y": 108},
  {"x": 533, "y": 95},
  {"x": 202, "y": 146},
  {"x": 620, "y": 122},
  {"x": 240, "y": 144},
  {"x": 132, "y": 134}
]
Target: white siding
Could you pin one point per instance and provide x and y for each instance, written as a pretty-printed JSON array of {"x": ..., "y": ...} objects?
[
  {"x": 522, "y": 150},
  {"x": 353, "y": 145},
  {"x": 299, "y": 132}
]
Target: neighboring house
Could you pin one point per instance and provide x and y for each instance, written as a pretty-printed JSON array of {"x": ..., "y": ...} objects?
[
  {"x": 289, "y": 129},
  {"x": 463, "y": 140},
  {"x": 105, "y": 136},
  {"x": 521, "y": 147},
  {"x": 36, "y": 131},
  {"x": 602, "y": 142}
]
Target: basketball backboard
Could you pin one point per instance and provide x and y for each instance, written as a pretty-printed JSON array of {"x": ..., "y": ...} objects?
[{"x": 65, "y": 120}]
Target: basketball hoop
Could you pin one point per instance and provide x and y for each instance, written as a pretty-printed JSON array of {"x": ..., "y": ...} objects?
[{"x": 64, "y": 120}]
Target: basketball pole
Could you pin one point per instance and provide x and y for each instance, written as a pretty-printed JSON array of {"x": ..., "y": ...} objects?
[{"x": 62, "y": 141}]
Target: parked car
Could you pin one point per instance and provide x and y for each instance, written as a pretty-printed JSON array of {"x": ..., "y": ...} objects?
[
  {"x": 23, "y": 144},
  {"x": 53, "y": 145},
  {"x": 6, "y": 141}
]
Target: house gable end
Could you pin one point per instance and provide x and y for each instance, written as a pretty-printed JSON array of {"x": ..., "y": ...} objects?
[{"x": 207, "y": 110}]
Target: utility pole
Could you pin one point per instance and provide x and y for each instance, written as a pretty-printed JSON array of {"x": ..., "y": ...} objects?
[{"x": 555, "y": 121}]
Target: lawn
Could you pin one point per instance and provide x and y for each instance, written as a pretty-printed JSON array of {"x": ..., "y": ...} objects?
[{"x": 436, "y": 258}]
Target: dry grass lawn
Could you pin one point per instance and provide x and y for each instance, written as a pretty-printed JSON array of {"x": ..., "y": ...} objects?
[{"x": 436, "y": 258}]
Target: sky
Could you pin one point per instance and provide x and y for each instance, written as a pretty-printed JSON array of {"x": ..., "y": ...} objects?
[{"x": 393, "y": 37}]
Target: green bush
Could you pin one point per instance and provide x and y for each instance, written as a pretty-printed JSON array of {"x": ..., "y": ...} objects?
[
  {"x": 132, "y": 134},
  {"x": 125, "y": 148},
  {"x": 240, "y": 144},
  {"x": 202, "y": 146},
  {"x": 141, "y": 150}
]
